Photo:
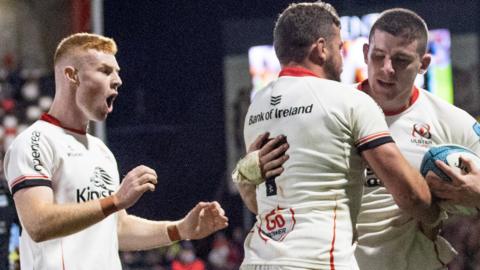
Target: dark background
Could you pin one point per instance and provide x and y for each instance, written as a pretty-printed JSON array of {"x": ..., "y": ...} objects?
[{"x": 170, "y": 112}]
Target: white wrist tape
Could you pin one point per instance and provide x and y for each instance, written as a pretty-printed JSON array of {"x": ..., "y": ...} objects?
[{"x": 248, "y": 170}]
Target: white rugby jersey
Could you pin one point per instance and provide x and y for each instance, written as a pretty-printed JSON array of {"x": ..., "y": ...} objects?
[
  {"x": 389, "y": 238},
  {"x": 78, "y": 167},
  {"x": 306, "y": 217}
]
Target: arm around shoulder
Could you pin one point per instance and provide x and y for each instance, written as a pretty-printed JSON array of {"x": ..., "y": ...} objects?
[{"x": 408, "y": 188}]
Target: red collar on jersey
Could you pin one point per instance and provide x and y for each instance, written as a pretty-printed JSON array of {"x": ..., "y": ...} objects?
[
  {"x": 296, "y": 72},
  {"x": 413, "y": 98},
  {"x": 54, "y": 121}
]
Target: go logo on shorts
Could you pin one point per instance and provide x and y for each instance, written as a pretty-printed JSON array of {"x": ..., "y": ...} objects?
[{"x": 276, "y": 224}]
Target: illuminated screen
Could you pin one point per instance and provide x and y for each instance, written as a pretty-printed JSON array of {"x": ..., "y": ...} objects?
[{"x": 264, "y": 65}]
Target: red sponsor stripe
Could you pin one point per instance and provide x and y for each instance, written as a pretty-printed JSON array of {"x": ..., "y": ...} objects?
[
  {"x": 372, "y": 137},
  {"x": 30, "y": 176},
  {"x": 25, "y": 177},
  {"x": 332, "y": 259}
]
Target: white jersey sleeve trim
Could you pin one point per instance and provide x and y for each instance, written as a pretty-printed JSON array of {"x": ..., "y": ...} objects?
[
  {"x": 373, "y": 140},
  {"x": 29, "y": 181}
]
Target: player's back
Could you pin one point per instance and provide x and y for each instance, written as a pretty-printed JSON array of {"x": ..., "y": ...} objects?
[
  {"x": 307, "y": 215},
  {"x": 314, "y": 115}
]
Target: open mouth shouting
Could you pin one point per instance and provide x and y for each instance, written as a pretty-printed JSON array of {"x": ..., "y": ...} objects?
[{"x": 109, "y": 101}]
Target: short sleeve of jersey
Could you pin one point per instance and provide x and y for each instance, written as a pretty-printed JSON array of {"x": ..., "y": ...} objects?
[
  {"x": 368, "y": 124},
  {"x": 28, "y": 162},
  {"x": 474, "y": 136},
  {"x": 466, "y": 131}
]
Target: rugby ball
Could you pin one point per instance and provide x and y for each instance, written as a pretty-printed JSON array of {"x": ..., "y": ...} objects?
[{"x": 450, "y": 154}]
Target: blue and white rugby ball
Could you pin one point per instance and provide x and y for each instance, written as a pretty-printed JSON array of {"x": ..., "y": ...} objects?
[{"x": 450, "y": 154}]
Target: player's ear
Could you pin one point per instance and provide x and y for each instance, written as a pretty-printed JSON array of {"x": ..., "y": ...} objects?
[
  {"x": 366, "y": 47},
  {"x": 318, "y": 51},
  {"x": 71, "y": 74},
  {"x": 424, "y": 63}
]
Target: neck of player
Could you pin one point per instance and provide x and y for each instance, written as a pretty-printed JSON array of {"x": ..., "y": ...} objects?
[{"x": 391, "y": 103}]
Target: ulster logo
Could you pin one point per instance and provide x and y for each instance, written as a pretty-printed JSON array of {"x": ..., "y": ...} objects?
[
  {"x": 421, "y": 134},
  {"x": 274, "y": 101},
  {"x": 422, "y": 129}
]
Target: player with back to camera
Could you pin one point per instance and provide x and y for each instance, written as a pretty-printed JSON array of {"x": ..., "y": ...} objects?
[
  {"x": 389, "y": 237},
  {"x": 65, "y": 182},
  {"x": 306, "y": 216}
]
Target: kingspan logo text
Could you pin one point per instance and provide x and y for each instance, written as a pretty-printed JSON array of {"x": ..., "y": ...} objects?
[
  {"x": 279, "y": 113},
  {"x": 101, "y": 185},
  {"x": 86, "y": 194}
]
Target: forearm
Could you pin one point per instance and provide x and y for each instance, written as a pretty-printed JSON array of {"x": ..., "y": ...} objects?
[
  {"x": 408, "y": 188},
  {"x": 135, "y": 233},
  {"x": 63, "y": 220},
  {"x": 415, "y": 197},
  {"x": 245, "y": 186},
  {"x": 44, "y": 218},
  {"x": 248, "y": 194},
  {"x": 56, "y": 220}
]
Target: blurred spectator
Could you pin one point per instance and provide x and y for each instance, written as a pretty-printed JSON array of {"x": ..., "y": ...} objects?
[
  {"x": 19, "y": 106},
  {"x": 236, "y": 250},
  {"x": 24, "y": 95},
  {"x": 8, "y": 216},
  {"x": 131, "y": 260},
  {"x": 218, "y": 256},
  {"x": 227, "y": 254},
  {"x": 154, "y": 259},
  {"x": 172, "y": 252},
  {"x": 187, "y": 259}
]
